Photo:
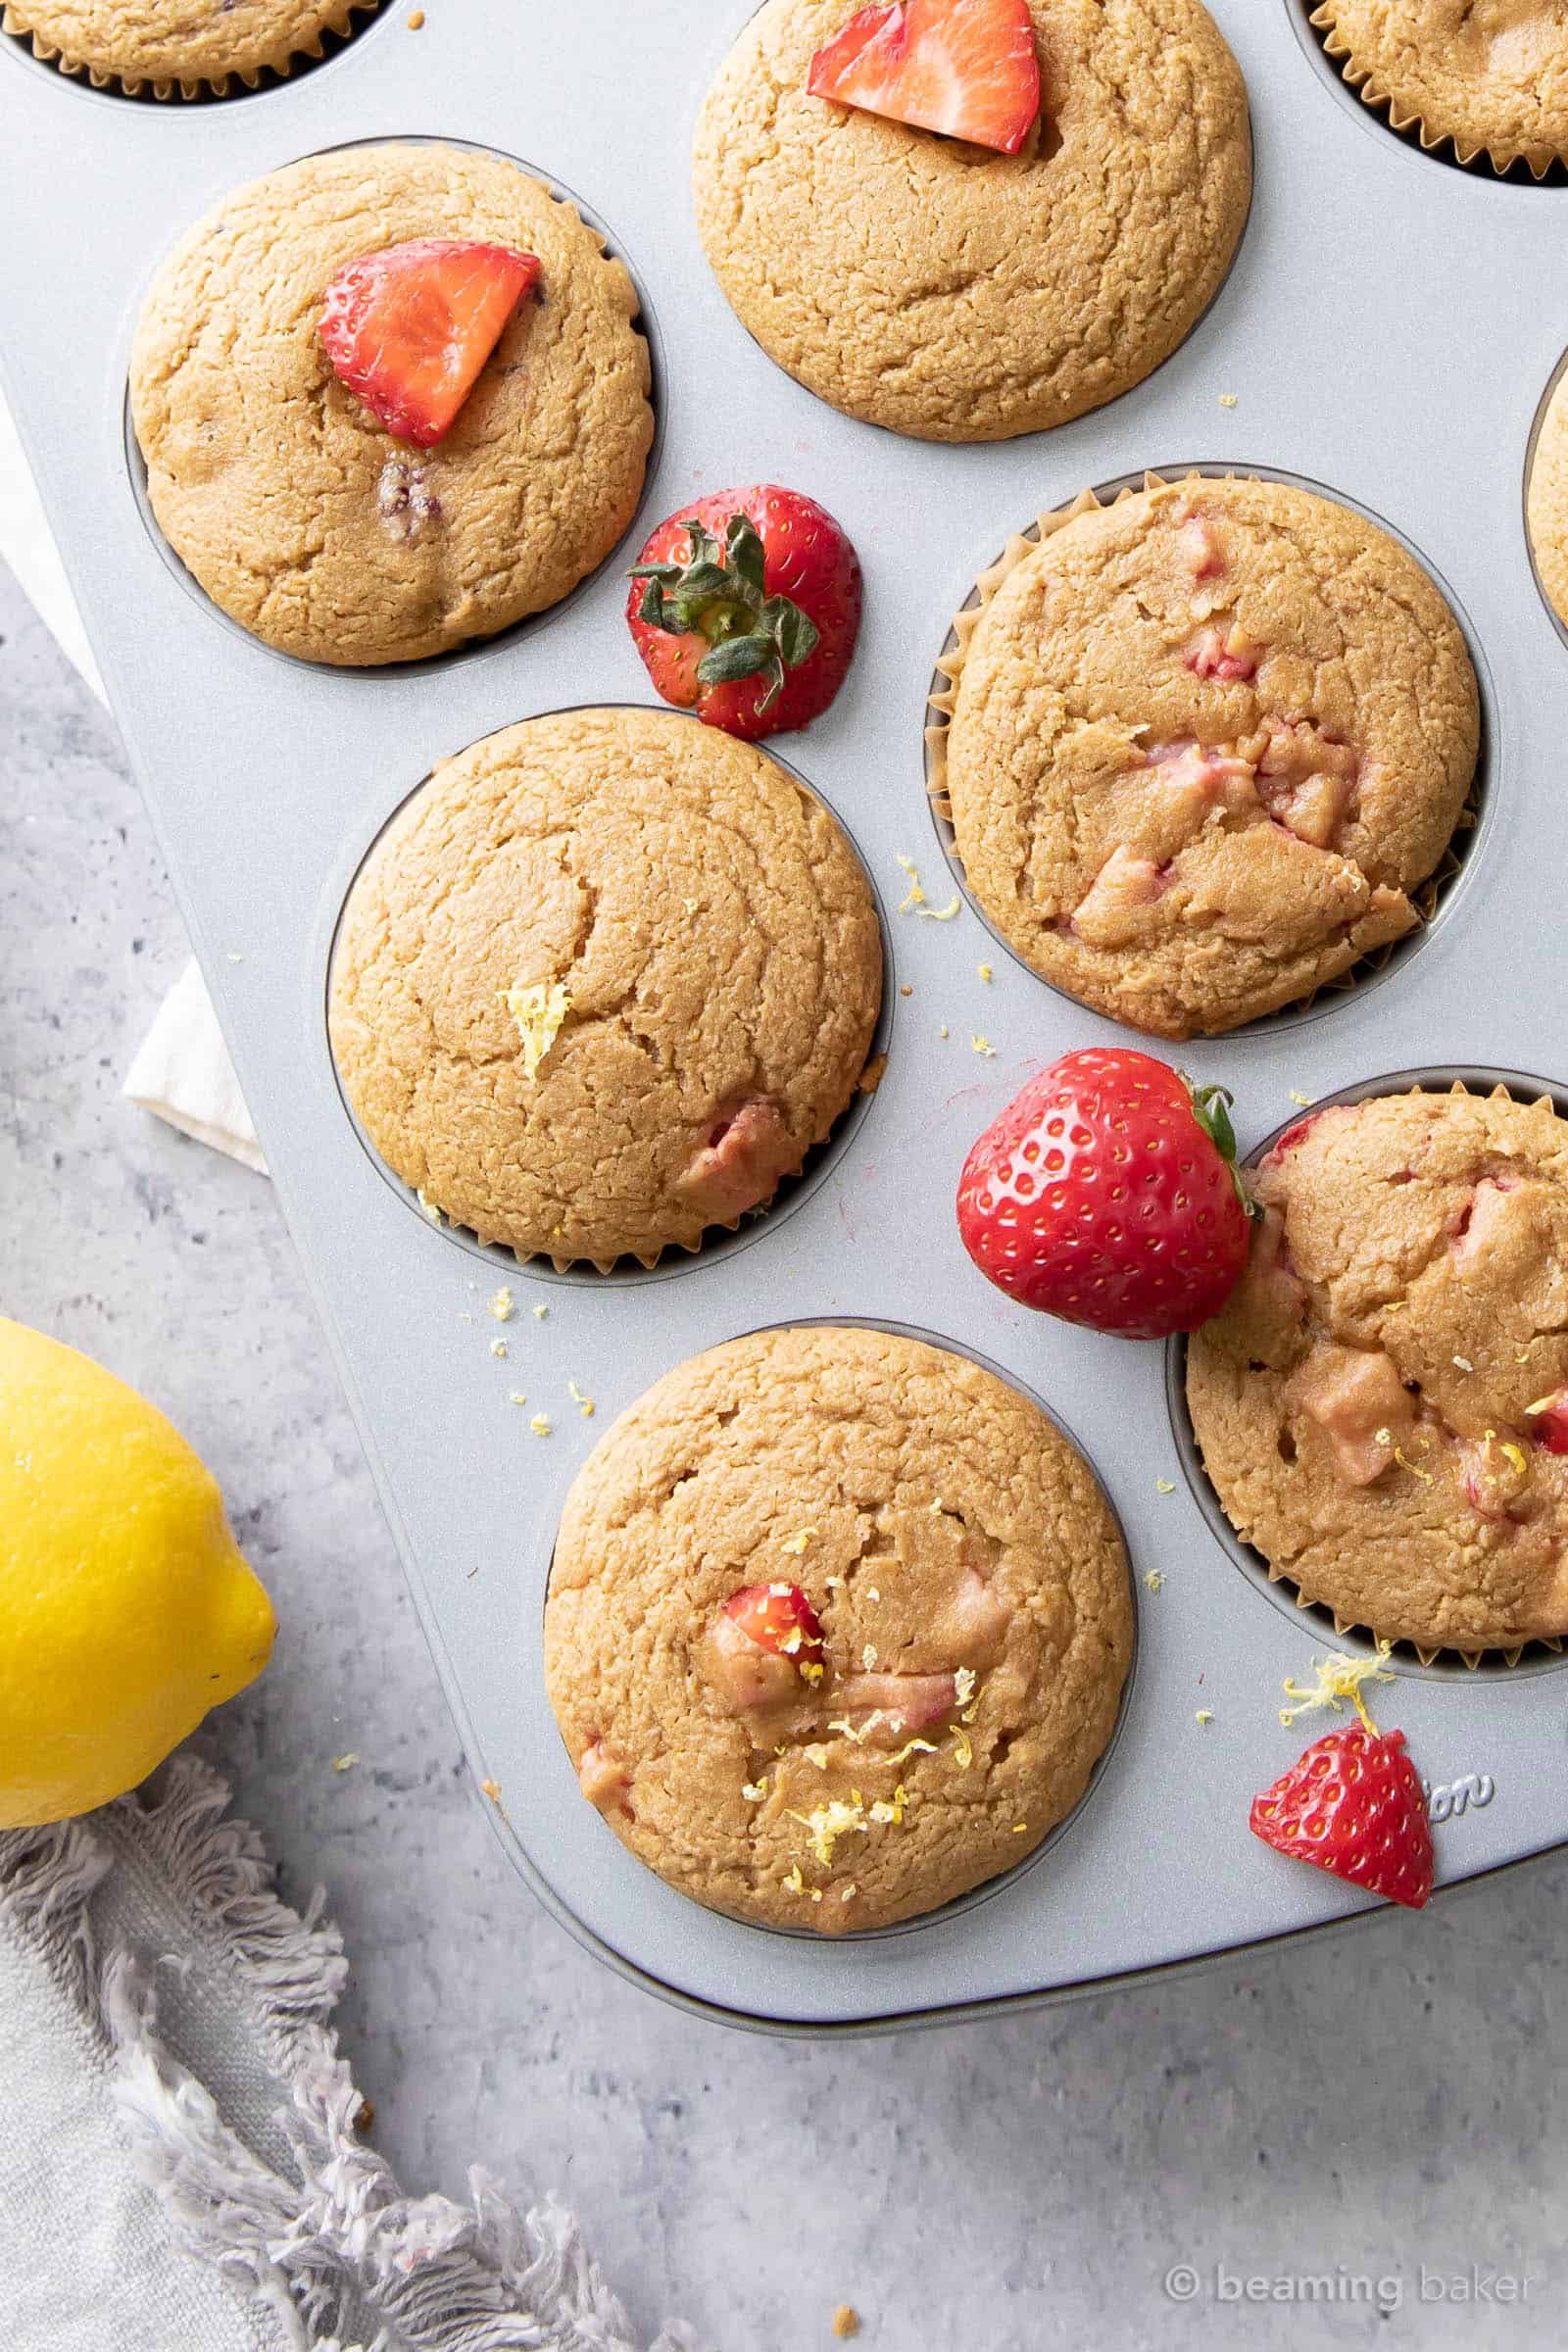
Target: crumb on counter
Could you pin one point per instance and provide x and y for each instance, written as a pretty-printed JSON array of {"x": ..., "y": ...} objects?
[
  {"x": 1155, "y": 1581},
  {"x": 498, "y": 1348},
  {"x": 416, "y": 20},
  {"x": 347, "y": 1762},
  {"x": 1227, "y": 400},
  {"x": 503, "y": 1305},
  {"x": 540, "y": 1312},
  {"x": 541, "y": 1425},
  {"x": 906, "y": 990},
  {"x": 845, "y": 2319},
  {"x": 492, "y": 1790}
]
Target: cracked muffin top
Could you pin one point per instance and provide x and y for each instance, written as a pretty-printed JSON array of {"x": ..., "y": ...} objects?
[
  {"x": 1205, "y": 744},
  {"x": 300, "y": 516},
  {"x": 837, "y": 1627},
  {"x": 167, "y": 45},
  {"x": 602, "y": 983},
  {"x": 1489, "y": 75},
  {"x": 958, "y": 294},
  {"x": 1383, "y": 1406}
]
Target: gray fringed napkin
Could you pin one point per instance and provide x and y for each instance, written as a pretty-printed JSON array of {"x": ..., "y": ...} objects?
[{"x": 181, "y": 2167}]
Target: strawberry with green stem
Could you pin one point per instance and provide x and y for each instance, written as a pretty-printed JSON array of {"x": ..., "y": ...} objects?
[{"x": 745, "y": 608}]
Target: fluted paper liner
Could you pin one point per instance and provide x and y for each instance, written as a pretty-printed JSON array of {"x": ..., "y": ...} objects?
[
  {"x": 13, "y": 19},
  {"x": 942, "y": 700},
  {"x": 1374, "y": 92}
]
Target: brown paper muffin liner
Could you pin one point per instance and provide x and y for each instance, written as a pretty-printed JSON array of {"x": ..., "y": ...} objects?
[
  {"x": 329, "y": 37},
  {"x": 942, "y": 700},
  {"x": 530, "y": 1260},
  {"x": 1358, "y": 1628},
  {"x": 1375, "y": 93}
]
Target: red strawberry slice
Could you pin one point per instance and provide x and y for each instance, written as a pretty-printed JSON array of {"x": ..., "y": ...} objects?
[
  {"x": 1548, "y": 1421},
  {"x": 779, "y": 1618},
  {"x": 409, "y": 328},
  {"x": 1106, "y": 1193},
  {"x": 966, "y": 67},
  {"x": 1352, "y": 1805},
  {"x": 745, "y": 608}
]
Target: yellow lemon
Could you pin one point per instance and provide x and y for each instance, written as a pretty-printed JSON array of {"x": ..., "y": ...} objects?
[{"x": 126, "y": 1607}]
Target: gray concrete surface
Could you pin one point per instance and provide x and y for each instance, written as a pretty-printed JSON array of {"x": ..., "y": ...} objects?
[{"x": 1369, "y": 2108}]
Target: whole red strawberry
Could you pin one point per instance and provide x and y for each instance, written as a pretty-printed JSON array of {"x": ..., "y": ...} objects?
[
  {"x": 1352, "y": 1805},
  {"x": 745, "y": 608},
  {"x": 1106, "y": 1193}
]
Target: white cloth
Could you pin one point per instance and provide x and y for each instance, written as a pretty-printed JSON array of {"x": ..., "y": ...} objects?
[
  {"x": 183, "y": 1072},
  {"x": 184, "y": 2160}
]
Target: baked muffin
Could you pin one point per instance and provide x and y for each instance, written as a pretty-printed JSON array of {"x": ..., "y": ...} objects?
[
  {"x": 1205, "y": 744},
  {"x": 1547, "y": 501},
  {"x": 1382, "y": 1406},
  {"x": 164, "y": 46},
  {"x": 836, "y": 1628},
  {"x": 1488, "y": 76},
  {"x": 956, "y": 294},
  {"x": 602, "y": 983},
  {"x": 299, "y": 514}
]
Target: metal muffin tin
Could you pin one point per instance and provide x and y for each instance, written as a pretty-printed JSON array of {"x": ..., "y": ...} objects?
[{"x": 1387, "y": 332}]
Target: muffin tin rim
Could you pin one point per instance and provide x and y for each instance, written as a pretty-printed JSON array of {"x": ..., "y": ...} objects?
[
  {"x": 1446, "y": 1664},
  {"x": 644, "y": 322}
]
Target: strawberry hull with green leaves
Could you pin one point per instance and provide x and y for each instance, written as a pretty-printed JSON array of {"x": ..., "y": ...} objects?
[{"x": 745, "y": 608}]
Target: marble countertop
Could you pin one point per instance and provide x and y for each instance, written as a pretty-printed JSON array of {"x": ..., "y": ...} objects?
[{"x": 1359, "y": 2108}]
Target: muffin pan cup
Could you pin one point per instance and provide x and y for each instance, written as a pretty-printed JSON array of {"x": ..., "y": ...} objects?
[{"x": 1387, "y": 332}]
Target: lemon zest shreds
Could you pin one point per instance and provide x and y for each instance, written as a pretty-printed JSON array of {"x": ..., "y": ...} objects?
[
  {"x": 963, "y": 1684},
  {"x": 516, "y": 1398},
  {"x": 911, "y": 1748},
  {"x": 1164, "y": 1485},
  {"x": 1303, "y": 1102},
  {"x": 753, "y": 1791},
  {"x": 847, "y": 1894},
  {"x": 1204, "y": 1716},
  {"x": 346, "y": 1763},
  {"x": 539, "y": 1009},
  {"x": 810, "y": 1672},
  {"x": 962, "y": 1749},
  {"x": 541, "y": 1425},
  {"x": 816, "y": 1754},
  {"x": 886, "y": 1810},
  {"x": 984, "y": 970},
  {"x": 1539, "y": 1406},
  {"x": 1414, "y": 1468},
  {"x": 849, "y": 1732},
  {"x": 868, "y": 1656},
  {"x": 498, "y": 1348},
  {"x": 1514, "y": 1454},
  {"x": 502, "y": 1305},
  {"x": 798, "y": 1542},
  {"x": 1465, "y": 1365},
  {"x": 540, "y": 1312},
  {"x": 584, "y": 1404},
  {"x": 917, "y": 897},
  {"x": 795, "y": 1882},
  {"x": 828, "y": 1823},
  {"x": 984, "y": 1048},
  {"x": 1155, "y": 1581},
  {"x": 1337, "y": 1679},
  {"x": 942, "y": 915}
]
